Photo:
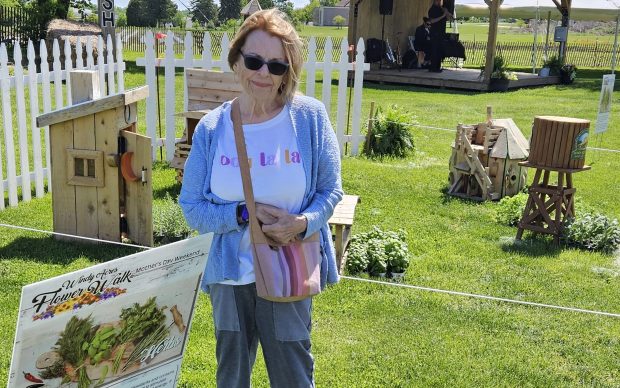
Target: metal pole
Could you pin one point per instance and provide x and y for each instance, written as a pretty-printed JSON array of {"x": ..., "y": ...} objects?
[
  {"x": 615, "y": 53},
  {"x": 161, "y": 152},
  {"x": 547, "y": 37},
  {"x": 534, "y": 47}
]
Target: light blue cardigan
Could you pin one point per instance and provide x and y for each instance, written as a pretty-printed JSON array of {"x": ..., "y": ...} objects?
[{"x": 206, "y": 212}]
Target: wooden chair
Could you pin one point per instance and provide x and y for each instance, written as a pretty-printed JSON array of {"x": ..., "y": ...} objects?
[{"x": 206, "y": 90}]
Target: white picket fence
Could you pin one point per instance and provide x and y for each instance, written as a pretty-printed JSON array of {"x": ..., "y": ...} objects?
[
  {"x": 207, "y": 61},
  {"x": 25, "y": 141}
]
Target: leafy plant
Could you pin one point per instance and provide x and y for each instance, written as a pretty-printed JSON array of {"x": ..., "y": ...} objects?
[
  {"x": 568, "y": 73},
  {"x": 554, "y": 64},
  {"x": 378, "y": 252},
  {"x": 500, "y": 70},
  {"x": 594, "y": 232},
  {"x": 390, "y": 134},
  {"x": 510, "y": 209},
  {"x": 168, "y": 221}
]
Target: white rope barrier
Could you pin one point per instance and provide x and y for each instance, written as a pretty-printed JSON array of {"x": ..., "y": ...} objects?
[
  {"x": 75, "y": 237},
  {"x": 410, "y": 286},
  {"x": 454, "y": 130},
  {"x": 478, "y": 296}
]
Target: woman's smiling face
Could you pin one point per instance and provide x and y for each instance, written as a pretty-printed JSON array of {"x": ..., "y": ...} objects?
[{"x": 261, "y": 85}]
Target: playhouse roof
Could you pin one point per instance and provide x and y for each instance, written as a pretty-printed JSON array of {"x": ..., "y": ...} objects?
[
  {"x": 511, "y": 143},
  {"x": 90, "y": 107},
  {"x": 250, "y": 8}
]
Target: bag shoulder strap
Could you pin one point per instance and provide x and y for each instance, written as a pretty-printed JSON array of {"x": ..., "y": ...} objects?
[{"x": 244, "y": 167}]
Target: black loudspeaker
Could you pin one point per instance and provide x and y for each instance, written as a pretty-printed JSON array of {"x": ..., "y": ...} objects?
[
  {"x": 385, "y": 7},
  {"x": 374, "y": 50}
]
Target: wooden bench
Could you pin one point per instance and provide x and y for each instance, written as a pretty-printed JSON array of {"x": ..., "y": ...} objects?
[
  {"x": 206, "y": 90},
  {"x": 341, "y": 222}
]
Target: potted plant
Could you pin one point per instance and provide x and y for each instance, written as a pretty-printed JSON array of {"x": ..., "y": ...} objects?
[
  {"x": 397, "y": 254},
  {"x": 168, "y": 221},
  {"x": 551, "y": 67},
  {"x": 377, "y": 261},
  {"x": 501, "y": 76},
  {"x": 568, "y": 73}
]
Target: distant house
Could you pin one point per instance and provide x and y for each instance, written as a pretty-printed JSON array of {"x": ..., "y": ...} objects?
[
  {"x": 250, "y": 8},
  {"x": 324, "y": 16}
]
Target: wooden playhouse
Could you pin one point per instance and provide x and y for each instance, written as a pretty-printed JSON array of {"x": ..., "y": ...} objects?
[
  {"x": 100, "y": 167},
  {"x": 484, "y": 164}
]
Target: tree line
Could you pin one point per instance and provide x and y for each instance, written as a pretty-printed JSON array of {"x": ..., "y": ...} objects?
[{"x": 153, "y": 13}]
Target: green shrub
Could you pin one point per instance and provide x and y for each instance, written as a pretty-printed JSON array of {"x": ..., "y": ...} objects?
[
  {"x": 390, "y": 134},
  {"x": 168, "y": 221},
  {"x": 378, "y": 252},
  {"x": 510, "y": 209},
  {"x": 593, "y": 231}
]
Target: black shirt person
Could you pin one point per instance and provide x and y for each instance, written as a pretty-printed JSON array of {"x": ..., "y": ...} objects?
[
  {"x": 422, "y": 42},
  {"x": 438, "y": 16}
]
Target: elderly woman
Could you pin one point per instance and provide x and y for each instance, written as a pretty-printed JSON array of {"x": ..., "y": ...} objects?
[{"x": 295, "y": 174}]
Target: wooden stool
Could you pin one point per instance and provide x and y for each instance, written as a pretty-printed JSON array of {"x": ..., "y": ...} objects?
[
  {"x": 548, "y": 206},
  {"x": 341, "y": 221}
]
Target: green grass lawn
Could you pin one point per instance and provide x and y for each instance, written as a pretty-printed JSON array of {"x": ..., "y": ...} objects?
[
  {"x": 382, "y": 336},
  {"x": 511, "y": 32}
]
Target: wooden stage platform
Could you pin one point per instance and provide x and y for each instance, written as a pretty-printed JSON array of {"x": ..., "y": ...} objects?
[{"x": 451, "y": 78}]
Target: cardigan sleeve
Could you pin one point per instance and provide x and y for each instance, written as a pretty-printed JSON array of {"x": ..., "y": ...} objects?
[
  {"x": 328, "y": 182},
  {"x": 202, "y": 210}
]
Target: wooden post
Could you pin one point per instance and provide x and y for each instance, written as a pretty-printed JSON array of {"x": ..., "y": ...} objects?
[
  {"x": 107, "y": 22},
  {"x": 371, "y": 119},
  {"x": 84, "y": 86},
  {"x": 492, "y": 40}
]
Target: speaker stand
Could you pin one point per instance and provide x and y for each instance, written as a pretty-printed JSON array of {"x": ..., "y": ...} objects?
[{"x": 383, "y": 48}]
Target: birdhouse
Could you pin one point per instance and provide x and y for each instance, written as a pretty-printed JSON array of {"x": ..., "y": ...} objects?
[
  {"x": 100, "y": 167},
  {"x": 485, "y": 160}
]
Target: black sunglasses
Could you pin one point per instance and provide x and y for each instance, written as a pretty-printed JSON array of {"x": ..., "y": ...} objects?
[{"x": 254, "y": 62}]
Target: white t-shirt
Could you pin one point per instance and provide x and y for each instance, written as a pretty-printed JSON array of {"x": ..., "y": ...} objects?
[{"x": 278, "y": 176}]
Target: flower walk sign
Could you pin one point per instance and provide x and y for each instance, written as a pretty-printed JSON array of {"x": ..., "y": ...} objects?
[{"x": 122, "y": 323}]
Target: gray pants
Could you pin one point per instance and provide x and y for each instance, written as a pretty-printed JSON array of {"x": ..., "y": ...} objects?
[{"x": 242, "y": 320}]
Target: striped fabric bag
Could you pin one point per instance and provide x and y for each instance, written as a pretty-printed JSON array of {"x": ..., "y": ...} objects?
[{"x": 284, "y": 273}]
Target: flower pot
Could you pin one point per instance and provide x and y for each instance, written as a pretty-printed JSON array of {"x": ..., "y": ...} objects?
[
  {"x": 567, "y": 78},
  {"x": 499, "y": 84},
  {"x": 398, "y": 276},
  {"x": 544, "y": 72}
]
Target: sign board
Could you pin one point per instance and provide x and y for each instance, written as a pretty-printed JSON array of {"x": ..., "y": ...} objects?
[
  {"x": 107, "y": 21},
  {"x": 106, "y": 14},
  {"x": 560, "y": 34},
  {"x": 604, "y": 103},
  {"x": 123, "y": 323}
]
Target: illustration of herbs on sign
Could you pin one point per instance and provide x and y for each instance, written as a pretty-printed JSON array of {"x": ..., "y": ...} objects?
[
  {"x": 144, "y": 324},
  {"x": 378, "y": 252},
  {"x": 85, "y": 351}
]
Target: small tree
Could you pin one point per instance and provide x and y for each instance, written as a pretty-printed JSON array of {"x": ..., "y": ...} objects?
[{"x": 339, "y": 21}]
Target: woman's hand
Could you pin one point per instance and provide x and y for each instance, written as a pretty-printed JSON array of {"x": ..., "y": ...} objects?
[
  {"x": 265, "y": 214},
  {"x": 286, "y": 228}
]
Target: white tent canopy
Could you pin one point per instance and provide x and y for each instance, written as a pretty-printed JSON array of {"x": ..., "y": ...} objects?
[{"x": 595, "y": 10}]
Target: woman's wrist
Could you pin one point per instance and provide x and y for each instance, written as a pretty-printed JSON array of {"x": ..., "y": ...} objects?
[
  {"x": 242, "y": 213},
  {"x": 302, "y": 223}
]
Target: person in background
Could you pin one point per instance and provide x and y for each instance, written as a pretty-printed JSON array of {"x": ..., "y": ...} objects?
[
  {"x": 422, "y": 42},
  {"x": 438, "y": 15},
  {"x": 295, "y": 172}
]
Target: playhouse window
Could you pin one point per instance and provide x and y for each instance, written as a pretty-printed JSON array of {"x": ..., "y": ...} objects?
[{"x": 85, "y": 168}]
